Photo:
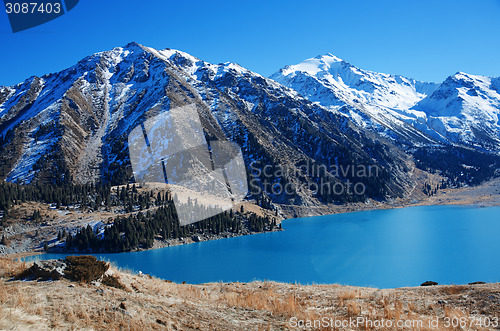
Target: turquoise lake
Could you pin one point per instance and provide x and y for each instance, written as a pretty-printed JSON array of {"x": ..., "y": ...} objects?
[{"x": 381, "y": 248}]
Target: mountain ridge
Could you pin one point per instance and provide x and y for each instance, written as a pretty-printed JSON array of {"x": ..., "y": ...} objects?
[
  {"x": 392, "y": 101},
  {"x": 72, "y": 126}
]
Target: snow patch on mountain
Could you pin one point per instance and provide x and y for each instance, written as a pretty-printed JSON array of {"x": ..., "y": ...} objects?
[{"x": 33, "y": 150}]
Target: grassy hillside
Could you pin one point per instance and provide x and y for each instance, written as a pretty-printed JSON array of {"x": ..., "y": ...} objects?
[{"x": 148, "y": 303}]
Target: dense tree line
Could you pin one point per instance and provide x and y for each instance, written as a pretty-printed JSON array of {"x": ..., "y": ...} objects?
[
  {"x": 136, "y": 230},
  {"x": 461, "y": 166},
  {"x": 430, "y": 189},
  {"x": 118, "y": 171},
  {"x": 89, "y": 196},
  {"x": 270, "y": 183},
  {"x": 139, "y": 230}
]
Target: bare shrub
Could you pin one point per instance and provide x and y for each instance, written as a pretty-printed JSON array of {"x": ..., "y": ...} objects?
[{"x": 85, "y": 268}]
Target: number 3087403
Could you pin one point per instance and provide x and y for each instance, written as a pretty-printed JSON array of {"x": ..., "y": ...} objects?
[{"x": 33, "y": 8}]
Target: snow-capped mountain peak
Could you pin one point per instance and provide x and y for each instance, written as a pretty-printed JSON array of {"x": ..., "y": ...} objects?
[
  {"x": 463, "y": 109},
  {"x": 313, "y": 66},
  {"x": 372, "y": 99},
  {"x": 73, "y": 125}
]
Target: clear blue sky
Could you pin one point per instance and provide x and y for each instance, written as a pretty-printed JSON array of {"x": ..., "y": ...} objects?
[{"x": 424, "y": 39}]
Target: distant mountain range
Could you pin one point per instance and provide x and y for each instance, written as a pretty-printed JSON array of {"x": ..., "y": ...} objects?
[
  {"x": 72, "y": 126},
  {"x": 463, "y": 110}
]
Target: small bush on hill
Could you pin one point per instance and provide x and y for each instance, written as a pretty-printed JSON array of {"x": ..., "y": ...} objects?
[{"x": 85, "y": 268}]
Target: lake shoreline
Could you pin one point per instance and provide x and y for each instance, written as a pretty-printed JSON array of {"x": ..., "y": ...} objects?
[
  {"x": 484, "y": 195},
  {"x": 158, "y": 244},
  {"x": 364, "y": 249}
]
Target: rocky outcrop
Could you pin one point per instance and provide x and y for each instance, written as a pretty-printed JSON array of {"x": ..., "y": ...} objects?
[{"x": 49, "y": 269}]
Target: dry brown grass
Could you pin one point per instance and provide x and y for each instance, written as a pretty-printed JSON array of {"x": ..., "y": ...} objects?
[
  {"x": 454, "y": 289},
  {"x": 353, "y": 309},
  {"x": 154, "y": 304},
  {"x": 25, "y": 308},
  {"x": 266, "y": 299},
  {"x": 457, "y": 314},
  {"x": 10, "y": 268},
  {"x": 346, "y": 295},
  {"x": 452, "y": 312},
  {"x": 113, "y": 281}
]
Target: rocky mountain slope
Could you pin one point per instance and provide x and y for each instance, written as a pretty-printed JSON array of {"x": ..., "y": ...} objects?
[
  {"x": 463, "y": 110},
  {"x": 72, "y": 126}
]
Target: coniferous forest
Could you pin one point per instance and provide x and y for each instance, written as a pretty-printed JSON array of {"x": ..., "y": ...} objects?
[
  {"x": 139, "y": 230},
  {"x": 146, "y": 216}
]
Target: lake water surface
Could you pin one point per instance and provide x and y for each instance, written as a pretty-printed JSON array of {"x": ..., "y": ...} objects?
[{"x": 381, "y": 248}]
